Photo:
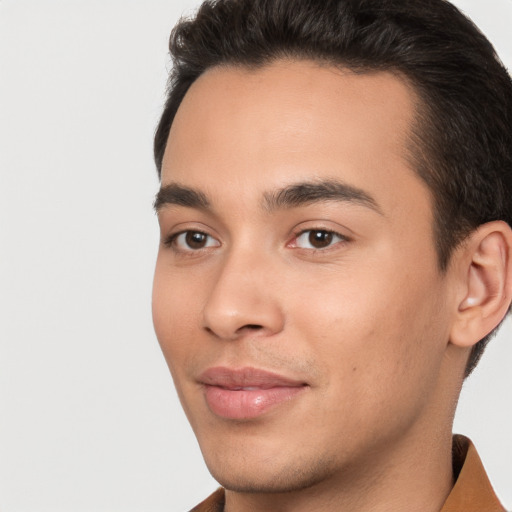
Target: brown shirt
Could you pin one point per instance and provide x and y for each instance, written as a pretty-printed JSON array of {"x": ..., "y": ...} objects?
[{"x": 472, "y": 491}]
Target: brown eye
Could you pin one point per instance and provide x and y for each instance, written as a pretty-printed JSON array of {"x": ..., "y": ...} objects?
[
  {"x": 189, "y": 241},
  {"x": 195, "y": 239},
  {"x": 318, "y": 239}
]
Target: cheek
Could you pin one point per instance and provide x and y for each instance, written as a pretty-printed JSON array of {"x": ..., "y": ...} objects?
[
  {"x": 174, "y": 305},
  {"x": 369, "y": 332}
]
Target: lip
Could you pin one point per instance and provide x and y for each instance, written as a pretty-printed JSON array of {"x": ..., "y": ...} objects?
[{"x": 246, "y": 393}]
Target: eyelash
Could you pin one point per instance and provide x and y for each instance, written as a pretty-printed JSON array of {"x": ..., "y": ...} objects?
[
  {"x": 171, "y": 240},
  {"x": 342, "y": 239}
]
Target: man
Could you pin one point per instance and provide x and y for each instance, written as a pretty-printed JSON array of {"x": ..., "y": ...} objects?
[{"x": 335, "y": 211}]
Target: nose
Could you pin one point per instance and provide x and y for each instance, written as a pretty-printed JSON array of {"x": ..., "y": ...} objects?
[{"x": 243, "y": 300}]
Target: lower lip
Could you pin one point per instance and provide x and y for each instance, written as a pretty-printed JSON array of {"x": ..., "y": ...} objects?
[{"x": 247, "y": 404}]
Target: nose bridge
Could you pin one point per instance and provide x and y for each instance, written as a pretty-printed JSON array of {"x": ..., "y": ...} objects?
[{"x": 241, "y": 298}]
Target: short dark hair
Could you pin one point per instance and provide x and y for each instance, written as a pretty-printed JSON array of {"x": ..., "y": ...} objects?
[{"x": 462, "y": 138}]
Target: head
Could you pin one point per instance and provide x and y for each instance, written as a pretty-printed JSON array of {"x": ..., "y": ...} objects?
[
  {"x": 336, "y": 192},
  {"x": 462, "y": 134}
]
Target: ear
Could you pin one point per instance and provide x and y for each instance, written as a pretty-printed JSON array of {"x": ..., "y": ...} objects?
[{"x": 485, "y": 269}]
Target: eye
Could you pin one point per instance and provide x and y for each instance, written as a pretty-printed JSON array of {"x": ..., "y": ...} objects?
[
  {"x": 318, "y": 239},
  {"x": 192, "y": 241}
]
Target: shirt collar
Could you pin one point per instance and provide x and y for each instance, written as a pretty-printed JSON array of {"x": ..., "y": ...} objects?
[{"x": 472, "y": 491}]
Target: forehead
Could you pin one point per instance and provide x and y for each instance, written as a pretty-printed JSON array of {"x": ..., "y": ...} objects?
[{"x": 258, "y": 129}]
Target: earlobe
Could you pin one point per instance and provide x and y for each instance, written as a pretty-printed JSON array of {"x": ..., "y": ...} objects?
[{"x": 486, "y": 275}]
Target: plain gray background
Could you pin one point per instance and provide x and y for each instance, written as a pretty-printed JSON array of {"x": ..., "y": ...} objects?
[{"x": 89, "y": 420}]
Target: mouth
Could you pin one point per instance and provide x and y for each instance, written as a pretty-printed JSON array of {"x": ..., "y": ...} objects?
[{"x": 247, "y": 393}]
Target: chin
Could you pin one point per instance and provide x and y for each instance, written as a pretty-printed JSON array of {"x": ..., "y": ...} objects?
[{"x": 270, "y": 476}]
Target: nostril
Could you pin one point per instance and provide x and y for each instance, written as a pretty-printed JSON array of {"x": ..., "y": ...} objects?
[
  {"x": 248, "y": 328},
  {"x": 238, "y": 332}
]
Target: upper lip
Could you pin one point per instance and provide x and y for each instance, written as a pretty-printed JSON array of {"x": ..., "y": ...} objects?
[{"x": 248, "y": 377}]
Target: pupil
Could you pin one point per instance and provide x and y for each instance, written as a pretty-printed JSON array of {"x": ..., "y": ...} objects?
[
  {"x": 195, "y": 240},
  {"x": 320, "y": 239}
]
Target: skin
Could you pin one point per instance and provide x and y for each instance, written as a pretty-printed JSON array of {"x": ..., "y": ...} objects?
[{"x": 365, "y": 321}]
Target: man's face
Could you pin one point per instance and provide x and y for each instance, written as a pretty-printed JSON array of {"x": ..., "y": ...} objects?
[{"x": 297, "y": 297}]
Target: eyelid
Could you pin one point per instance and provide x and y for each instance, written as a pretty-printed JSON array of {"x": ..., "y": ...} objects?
[
  {"x": 300, "y": 232},
  {"x": 170, "y": 240}
]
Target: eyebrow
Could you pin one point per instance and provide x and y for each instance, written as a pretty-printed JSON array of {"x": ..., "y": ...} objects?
[
  {"x": 291, "y": 196},
  {"x": 181, "y": 196},
  {"x": 301, "y": 194}
]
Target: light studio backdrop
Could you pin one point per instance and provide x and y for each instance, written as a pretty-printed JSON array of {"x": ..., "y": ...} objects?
[{"x": 89, "y": 419}]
